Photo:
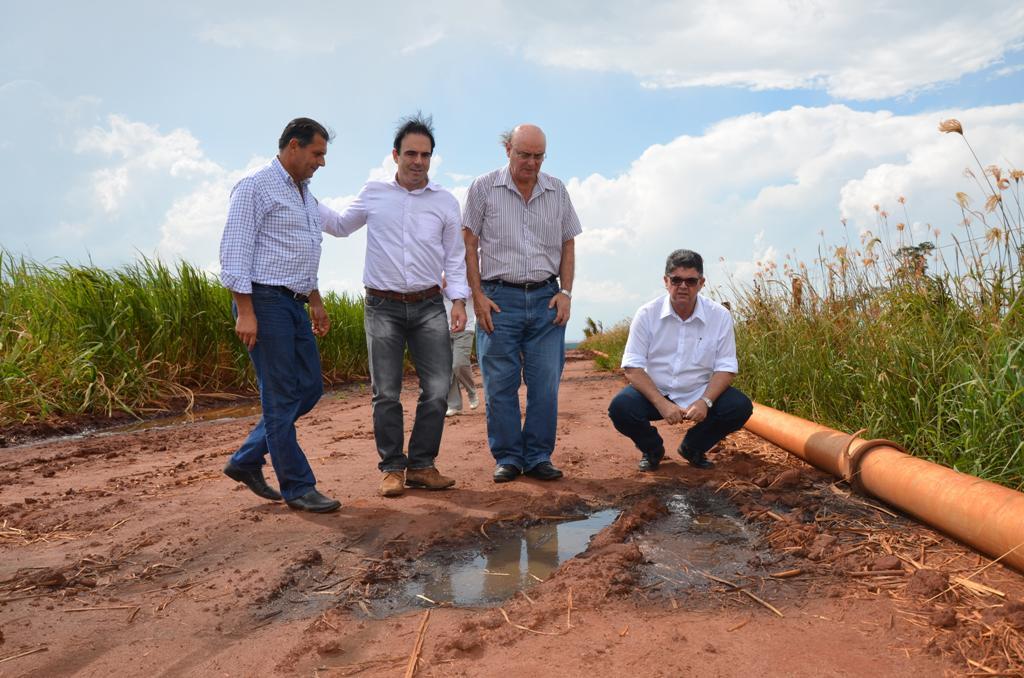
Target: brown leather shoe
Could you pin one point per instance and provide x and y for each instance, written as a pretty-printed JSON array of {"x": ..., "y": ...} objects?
[
  {"x": 427, "y": 479},
  {"x": 393, "y": 484}
]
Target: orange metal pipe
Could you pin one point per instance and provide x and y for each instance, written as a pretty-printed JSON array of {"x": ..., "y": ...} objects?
[{"x": 979, "y": 513}]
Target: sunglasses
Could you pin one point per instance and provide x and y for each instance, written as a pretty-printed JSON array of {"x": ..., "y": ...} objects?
[{"x": 676, "y": 281}]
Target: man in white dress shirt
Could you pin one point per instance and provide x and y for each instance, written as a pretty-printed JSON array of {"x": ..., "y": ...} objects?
[
  {"x": 680, "y": 360},
  {"x": 414, "y": 235}
]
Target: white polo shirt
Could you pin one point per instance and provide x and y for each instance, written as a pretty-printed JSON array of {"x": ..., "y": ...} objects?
[{"x": 680, "y": 355}]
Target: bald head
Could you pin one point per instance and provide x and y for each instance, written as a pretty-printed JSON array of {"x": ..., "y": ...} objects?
[
  {"x": 526, "y": 146},
  {"x": 527, "y": 133}
]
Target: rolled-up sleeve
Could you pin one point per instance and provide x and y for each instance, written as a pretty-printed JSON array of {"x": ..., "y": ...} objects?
[
  {"x": 725, "y": 358},
  {"x": 638, "y": 343},
  {"x": 238, "y": 241},
  {"x": 570, "y": 221},
  {"x": 476, "y": 198}
]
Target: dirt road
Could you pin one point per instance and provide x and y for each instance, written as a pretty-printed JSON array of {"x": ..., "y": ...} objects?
[{"x": 131, "y": 554}]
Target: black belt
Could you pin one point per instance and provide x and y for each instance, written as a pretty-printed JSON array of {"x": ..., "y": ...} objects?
[
  {"x": 406, "y": 297},
  {"x": 525, "y": 285},
  {"x": 286, "y": 291}
]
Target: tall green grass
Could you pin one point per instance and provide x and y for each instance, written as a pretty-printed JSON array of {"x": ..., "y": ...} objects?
[
  {"x": 919, "y": 342},
  {"x": 138, "y": 339}
]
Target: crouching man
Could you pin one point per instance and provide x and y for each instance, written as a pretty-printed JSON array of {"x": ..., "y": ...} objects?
[{"x": 680, "y": 360}]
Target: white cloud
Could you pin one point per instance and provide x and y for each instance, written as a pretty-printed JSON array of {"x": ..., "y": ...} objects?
[
  {"x": 865, "y": 50},
  {"x": 143, "y": 152},
  {"x": 192, "y": 226},
  {"x": 872, "y": 49},
  {"x": 280, "y": 33},
  {"x": 422, "y": 43},
  {"x": 755, "y": 186}
]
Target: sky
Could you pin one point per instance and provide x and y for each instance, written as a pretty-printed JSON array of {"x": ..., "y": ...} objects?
[{"x": 749, "y": 130}]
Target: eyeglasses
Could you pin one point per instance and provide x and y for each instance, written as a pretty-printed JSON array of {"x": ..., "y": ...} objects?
[
  {"x": 522, "y": 155},
  {"x": 676, "y": 281}
]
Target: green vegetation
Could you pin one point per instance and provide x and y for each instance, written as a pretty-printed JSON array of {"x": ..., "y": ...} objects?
[
  {"x": 918, "y": 343},
  {"x": 143, "y": 338}
]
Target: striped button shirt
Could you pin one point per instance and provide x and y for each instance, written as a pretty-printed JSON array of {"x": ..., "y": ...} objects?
[
  {"x": 272, "y": 235},
  {"x": 411, "y": 237},
  {"x": 519, "y": 241},
  {"x": 681, "y": 355}
]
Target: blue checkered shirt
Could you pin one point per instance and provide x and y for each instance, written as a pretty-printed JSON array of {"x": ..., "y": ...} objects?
[{"x": 272, "y": 235}]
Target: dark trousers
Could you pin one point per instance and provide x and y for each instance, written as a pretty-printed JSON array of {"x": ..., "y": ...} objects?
[
  {"x": 287, "y": 364},
  {"x": 632, "y": 413}
]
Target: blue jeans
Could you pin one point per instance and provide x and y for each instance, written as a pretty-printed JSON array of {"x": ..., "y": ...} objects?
[
  {"x": 287, "y": 364},
  {"x": 527, "y": 346},
  {"x": 391, "y": 325},
  {"x": 631, "y": 413}
]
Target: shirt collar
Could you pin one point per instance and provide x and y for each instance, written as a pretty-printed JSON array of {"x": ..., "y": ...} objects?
[
  {"x": 504, "y": 178},
  {"x": 283, "y": 173},
  {"x": 431, "y": 186},
  {"x": 699, "y": 311}
]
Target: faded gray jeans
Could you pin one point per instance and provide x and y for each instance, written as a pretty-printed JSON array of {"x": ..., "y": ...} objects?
[{"x": 390, "y": 327}]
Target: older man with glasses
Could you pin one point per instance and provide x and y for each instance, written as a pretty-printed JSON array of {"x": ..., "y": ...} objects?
[
  {"x": 680, "y": 359},
  {"x": 519, "y": 228}
]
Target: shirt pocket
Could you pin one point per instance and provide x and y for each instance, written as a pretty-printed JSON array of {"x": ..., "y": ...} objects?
[{"x": 704, "y": 353}]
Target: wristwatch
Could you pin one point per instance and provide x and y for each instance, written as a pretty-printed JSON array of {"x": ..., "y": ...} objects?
[
  {"x": 708, "y": 401},
  {"x": 566, "y": 293}
]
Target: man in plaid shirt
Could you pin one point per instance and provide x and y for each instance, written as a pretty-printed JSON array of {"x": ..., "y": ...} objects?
[{"x": 269, "y": 256}]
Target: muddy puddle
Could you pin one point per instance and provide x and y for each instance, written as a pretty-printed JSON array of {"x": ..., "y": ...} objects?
[
  {"x": 702, "y": 533},
  {"x": 488, "y": 574}
]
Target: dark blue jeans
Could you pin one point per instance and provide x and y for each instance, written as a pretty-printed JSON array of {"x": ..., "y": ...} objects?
[
  {"x": 631, "y": 414},
  {"x": 390, "y": 326},
  {"x": 287, "y": 364},
  {"x": 524, "y": 346}
]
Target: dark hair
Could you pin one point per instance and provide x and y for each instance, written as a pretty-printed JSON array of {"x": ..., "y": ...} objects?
[
  {"x": 684, "y": 259},
  {"x": 415, "y": 124},
  {"x": 302, "y": 129}
]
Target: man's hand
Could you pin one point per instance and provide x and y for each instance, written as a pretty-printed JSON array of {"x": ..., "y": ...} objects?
[
  {"x": 483, "y": 306},
  {"x": 318, "y": 314},
  {"x": 245, "y": 321},
  {"x": 458, "y": 315},
  {"x": 697, "y": 411},
  {"x": 321, "y": 323},
  {"x": 561, "y": 303},
  {"x": 245, "y": 328},
  {"x": 672, "y": 413}
]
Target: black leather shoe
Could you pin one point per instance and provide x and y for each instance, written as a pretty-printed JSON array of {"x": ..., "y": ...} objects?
[
  {"x": 253, "y": 480},
  {"x": 651, "y": 461},
  {"x": 544, "y": 471},
  {"x": 315, "y": 502},
  {"x": 505, "y": 472},
  {"x": 695, "y": 459}
]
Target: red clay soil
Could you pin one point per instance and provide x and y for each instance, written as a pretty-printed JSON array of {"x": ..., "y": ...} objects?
[{"x": 131, "y": 554}]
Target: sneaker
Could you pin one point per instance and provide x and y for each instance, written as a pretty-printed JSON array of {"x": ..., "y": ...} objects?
[
  {"x": 451, "y": 412},
  {"x": 393, "y": 484},
  {"x": 427, "y": 479},
  {"x": 474, "y": 401}
]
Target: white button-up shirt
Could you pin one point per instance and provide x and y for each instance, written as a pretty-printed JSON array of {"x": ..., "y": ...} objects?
[
  {"x": 680, "y": 355},
  {"x": 411, "y": 237}
]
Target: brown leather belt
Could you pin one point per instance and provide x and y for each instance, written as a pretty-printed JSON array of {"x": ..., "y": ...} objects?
[{"x": 405, "y": 297}]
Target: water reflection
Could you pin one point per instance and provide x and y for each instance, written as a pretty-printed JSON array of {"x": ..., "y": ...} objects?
[{"x": 508, "y": 565}]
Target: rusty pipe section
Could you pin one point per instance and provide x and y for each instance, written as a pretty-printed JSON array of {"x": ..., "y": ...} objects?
[{"x": 979, "y": 513}]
